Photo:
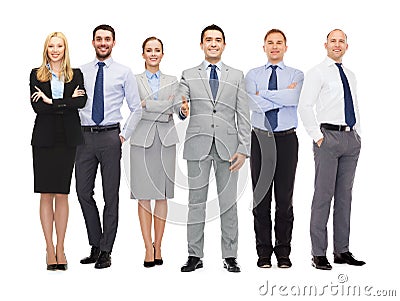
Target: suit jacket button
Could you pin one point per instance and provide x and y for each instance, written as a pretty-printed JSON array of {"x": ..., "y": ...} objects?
[
  {"x": 212, "y": 125},
  {"x": 214, "y": 111}
]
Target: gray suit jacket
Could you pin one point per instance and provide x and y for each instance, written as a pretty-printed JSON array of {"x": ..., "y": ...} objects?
[
  {"x": 157, "y": 113},
  {"x": 226, "y": 118}
]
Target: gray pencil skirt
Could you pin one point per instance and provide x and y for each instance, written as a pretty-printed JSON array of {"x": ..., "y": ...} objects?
[{"x": 152, "y": 171}]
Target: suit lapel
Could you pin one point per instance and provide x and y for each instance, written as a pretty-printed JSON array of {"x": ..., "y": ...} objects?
[
  {"x": 146, "y": 86},
  {"x": 222, "y": 80},
  {"x": 162, "y": 89}
]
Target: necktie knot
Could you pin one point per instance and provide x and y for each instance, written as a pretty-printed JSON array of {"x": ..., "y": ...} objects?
[
  {"x": 273, "y": 67},
  {"x": 213, "y": 67},
  {"x": 101, "y": 64}
]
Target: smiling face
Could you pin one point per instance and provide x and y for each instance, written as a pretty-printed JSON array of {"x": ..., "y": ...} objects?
[
  {"x": 103, "y": 44},
  {"x": 213, "y": 45},
  {"x": 153, "y": 53},
  {"x": 55, "y": 50},
  {"x": 275, "y": 47},
  {"x": 336, "y": 45}
]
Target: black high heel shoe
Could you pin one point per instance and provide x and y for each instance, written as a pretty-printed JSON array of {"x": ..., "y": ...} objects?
[
  {"x": 62, "y": 266},
  {"x": 149, "y": 264},
  {"x": 157, "y": 261},
  {"x": 51, "y": 267}
]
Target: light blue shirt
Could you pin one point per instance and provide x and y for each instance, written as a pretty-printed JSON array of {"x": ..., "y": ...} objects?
[
  {"x": 57, "y": 85},
  {"x": 119, "y": 84},
  {"x": 284, "y": 99},
  {"x": 154, "y": 82}
]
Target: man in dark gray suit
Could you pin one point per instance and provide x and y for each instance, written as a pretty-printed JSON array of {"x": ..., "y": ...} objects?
[
  {"x": 107, "y": 84},
  {"x": 218, "y": 134}
]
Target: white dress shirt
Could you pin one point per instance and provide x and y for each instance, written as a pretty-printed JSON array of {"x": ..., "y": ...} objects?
[
  {"x": 119, "y": 83},
  {"x": 323, "y": 90}
]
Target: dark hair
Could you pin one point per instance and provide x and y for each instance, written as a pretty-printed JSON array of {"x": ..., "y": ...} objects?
[
  {"x": 327, "y": 36},
  {"x": 104, "y": 27},
  {"x": 151, "y": 39},
  {"x": 212, "y": 27},
  {"x": 274, "y": 30}
]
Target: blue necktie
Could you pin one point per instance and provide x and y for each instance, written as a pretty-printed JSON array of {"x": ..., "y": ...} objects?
[
  {"x": 214, "y": 83},
  {"x": 350, "y": 117},
  {"x": 98, "y": 97},
  {"x": 271, "y": 116}
]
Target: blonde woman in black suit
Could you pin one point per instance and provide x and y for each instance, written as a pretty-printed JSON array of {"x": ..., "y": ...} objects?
[
  {"x": 57, "y": 92},
  {"x": 153, "y": 149}
]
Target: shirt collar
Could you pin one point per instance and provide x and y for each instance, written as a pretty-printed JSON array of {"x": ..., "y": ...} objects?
[
  {"x": 206, "y": 64},
  {"x": 281, "y": 65},
  {"x": 52, "y": 72},
  {"x": 108, "y": 61},
  {"x": 329, "y": 62},
  {"x": 150, "y": 75}
]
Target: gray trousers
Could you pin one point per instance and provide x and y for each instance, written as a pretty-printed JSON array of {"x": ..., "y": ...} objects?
[
  {"x": 198, "y": 173},
  {"x": 335, "y": 166},
  {"x": 102, "y": 148}
]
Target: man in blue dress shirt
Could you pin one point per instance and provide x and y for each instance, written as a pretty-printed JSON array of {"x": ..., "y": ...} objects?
[
  {"x": 107, "y": 84},
  {"x": 274, "y": 91}
]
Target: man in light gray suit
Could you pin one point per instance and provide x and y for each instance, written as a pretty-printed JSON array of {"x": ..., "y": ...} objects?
[{"x": 218, "y": 134}]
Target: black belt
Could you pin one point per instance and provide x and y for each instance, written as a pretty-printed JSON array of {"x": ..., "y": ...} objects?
[
  {"x": 100, "y": 128},
  {"x": 280, "y": 133},
  {"x": 334, "y": 127}
]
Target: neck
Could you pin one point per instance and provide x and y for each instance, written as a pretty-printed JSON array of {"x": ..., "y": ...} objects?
[
  {"x": 152, "y": 69},
  {"x": 274, "y": 62},
  {"x": 56, "y": 67},
  {"x": 213, "y": 61}
]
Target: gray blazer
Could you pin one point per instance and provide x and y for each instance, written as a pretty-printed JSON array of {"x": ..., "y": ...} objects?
[
  {"x": 157, "y": 113},
  {"x": 226, "y": 118}
]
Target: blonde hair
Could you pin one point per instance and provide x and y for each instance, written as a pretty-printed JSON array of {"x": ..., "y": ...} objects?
[{"x": 43, "y": 73}]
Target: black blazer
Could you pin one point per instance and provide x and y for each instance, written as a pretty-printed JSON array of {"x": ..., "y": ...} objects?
[{"x": 44, "y": 131}]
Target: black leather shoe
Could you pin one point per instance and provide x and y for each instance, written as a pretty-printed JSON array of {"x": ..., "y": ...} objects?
[
  {"x": 94, "y": 254},
  {"x": 321, "y": 263},
  {"x": 104, "y": 260},
  {"x": 264, "y": 262},
  {"x": 284, "y": 262},
  {"x": 231, "y": 265},
  {"x": 348, "y": 258},
  {"x": 193, "y": 263},
  {"x": 149, "y": 264}
]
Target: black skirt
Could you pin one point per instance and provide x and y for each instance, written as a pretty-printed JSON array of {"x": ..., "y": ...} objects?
[{"x": 52, "y": 166}]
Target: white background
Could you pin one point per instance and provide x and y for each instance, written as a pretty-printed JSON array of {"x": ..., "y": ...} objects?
[{"x": 372, "y": 29}]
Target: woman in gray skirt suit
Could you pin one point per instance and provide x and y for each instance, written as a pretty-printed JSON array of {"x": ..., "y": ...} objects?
[{"x": 153, "y": 149}]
